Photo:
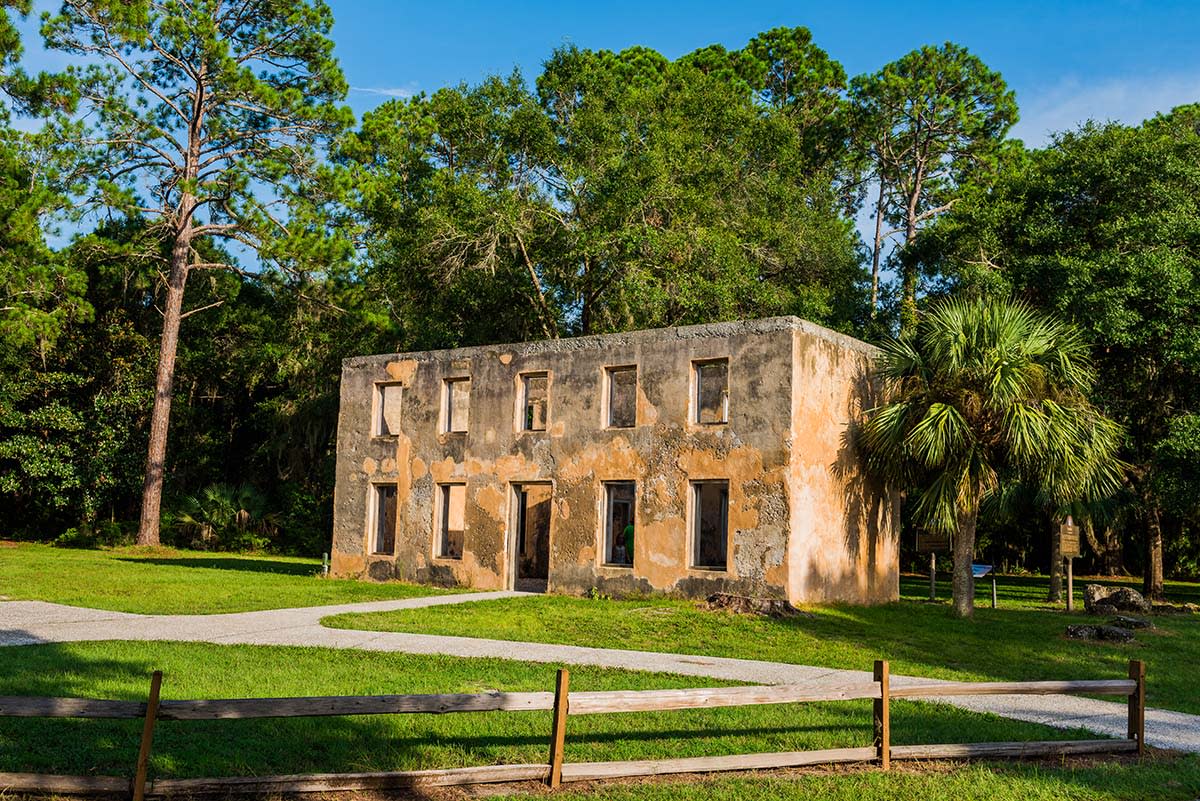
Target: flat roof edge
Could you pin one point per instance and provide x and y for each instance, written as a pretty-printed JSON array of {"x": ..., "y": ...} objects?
[{"x": 594, "y": 341}]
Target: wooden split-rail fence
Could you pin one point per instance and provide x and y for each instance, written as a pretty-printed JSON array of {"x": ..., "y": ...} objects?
[{"x": 563, "y": 704}]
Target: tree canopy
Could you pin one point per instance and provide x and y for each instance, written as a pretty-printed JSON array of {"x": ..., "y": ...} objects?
[
  {"x": 1103, "y": 229},
  {"x": 198, "y": 232},
  {"x": 628, "y": 191}
]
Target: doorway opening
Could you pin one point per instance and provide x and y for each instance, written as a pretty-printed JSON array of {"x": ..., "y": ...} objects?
[{"x": 531, "y": 524}]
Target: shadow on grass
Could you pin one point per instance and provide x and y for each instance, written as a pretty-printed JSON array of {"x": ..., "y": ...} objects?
[
  {"x": 402, "y": 742},
  {"x": 230, "y": 563},
  {"x": 1032, "y": 589}
]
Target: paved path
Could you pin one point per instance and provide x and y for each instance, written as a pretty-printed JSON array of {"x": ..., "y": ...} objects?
[{"x": 30, "y": 622}]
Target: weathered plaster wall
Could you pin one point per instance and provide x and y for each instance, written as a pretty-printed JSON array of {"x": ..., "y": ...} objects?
[
  {"x": 361, "y": 461},
  {"x": 845, "y": 541},
  {"x": 772, "y": 492}
]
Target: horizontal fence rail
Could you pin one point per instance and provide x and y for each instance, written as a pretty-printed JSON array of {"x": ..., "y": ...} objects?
[
  {"x": 947, "y": 689},
  {"x": 593, "y": 703},
  {"x": 563, "y": 704},
  {"x": 244, "y": 708},
  {"x": 18, "y": 707}
]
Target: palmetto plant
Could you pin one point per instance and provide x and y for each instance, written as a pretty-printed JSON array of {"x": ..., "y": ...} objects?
[
  {"x": 226, "y": 516},
  {"x": 982, "y": 395}
]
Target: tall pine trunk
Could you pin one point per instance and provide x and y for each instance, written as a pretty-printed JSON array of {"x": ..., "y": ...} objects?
[
  {"x": 875, "y": 251},
  {"x": 962, "y": 580},
  {"x": 908, "y": 269},
  {"x": 164, "y": 381},
  {"x": 164, "y": 384}
]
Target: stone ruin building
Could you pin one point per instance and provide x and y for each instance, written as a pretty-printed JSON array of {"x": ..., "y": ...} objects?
[{"x": 690, "y": 460}]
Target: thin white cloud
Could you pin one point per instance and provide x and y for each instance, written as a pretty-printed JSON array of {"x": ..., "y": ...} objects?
[
  {"x": 1126, "y": 100},
  {"x": 403, "y": 92}
]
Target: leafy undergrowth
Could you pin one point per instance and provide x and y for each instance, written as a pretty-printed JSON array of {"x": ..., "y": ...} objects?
[
  {"x": 1022, "y": 640},
  {"x": 399, "y": 742},
  {"x": 169, "y": 581}
]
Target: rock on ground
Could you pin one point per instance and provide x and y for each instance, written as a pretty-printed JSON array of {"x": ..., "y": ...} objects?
[
  {"x": 1084, "y": 631},
  {"x": 1101, "y": 600}
]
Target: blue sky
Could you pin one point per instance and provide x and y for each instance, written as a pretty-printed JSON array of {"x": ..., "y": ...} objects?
[
  {"x": 1122, "y": 60},
  {"x": 1067, "y": 61}
]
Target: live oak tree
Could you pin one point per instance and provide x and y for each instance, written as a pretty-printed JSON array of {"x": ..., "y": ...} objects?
[
  {"x": 205, "y": 118},
  {"x": 72, "y": 415},
  {"x": 628, "y": 191},
  {"x": 703, "y": 188},
  {"x": 927, "y": 122},
  {"x": 980, "y": 395},
  {"x": 458, "y": 225}
]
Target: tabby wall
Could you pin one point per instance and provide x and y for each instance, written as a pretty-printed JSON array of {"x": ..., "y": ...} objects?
[{"x": 802, "y": 522}]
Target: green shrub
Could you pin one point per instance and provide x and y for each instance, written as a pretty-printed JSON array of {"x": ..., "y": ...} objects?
[{"x": 223, "y": 517}]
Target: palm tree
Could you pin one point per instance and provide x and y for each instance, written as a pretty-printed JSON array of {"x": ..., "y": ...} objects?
[{"x": 981, "y": 395}]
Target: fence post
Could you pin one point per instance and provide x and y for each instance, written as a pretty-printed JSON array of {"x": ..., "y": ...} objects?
[
  {"x": 883, "y": 716},
  {"x": 1137, "y": 705},
  {"x": 558, "y": 730},
  {"x": 143, "y": 759}
]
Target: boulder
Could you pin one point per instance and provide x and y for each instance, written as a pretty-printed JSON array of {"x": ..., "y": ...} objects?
[
  {"x": 1127, "y": 622},
  {"x": 1101, "y": 600},
  {"x": 770, "y": 607},
  {"x": 1085, "y": 631}
]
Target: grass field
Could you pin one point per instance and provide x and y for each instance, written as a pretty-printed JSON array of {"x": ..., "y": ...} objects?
[
  {"x": 168, "y": 581},
  {"x": 306, "y": 745},
  {"x": 1019, "y": 641},
  {"x": 1167, "y": 780},
  {"x": 1023, "y": 640}
]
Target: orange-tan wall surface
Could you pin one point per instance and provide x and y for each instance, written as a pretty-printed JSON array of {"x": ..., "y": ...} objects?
[
  {"x": 803, "y": 523},
  {"x": 844, "y": 526}
]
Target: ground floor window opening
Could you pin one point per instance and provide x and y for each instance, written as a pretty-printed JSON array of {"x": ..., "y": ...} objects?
[
  {"x": 710, "y": 525},
  {"x": 383, "y": 519},
  {"x": 619, "y": 523}
]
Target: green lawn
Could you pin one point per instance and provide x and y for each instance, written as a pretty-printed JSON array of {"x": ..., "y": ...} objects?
[
  {"x": 1021, "y": 641},
  {"x": 167, "y": 581},
  {"x": 1164, "y": 780},
  {"x": 306, "y": 745}
]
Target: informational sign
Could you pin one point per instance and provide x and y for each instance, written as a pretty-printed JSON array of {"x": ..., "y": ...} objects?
[
  {"x": 1068, "y": 540},
  {"x": 929, "y": 542}
]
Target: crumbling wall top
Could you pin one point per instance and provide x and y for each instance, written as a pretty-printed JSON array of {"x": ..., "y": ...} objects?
[{"x": 628, "y": 338}]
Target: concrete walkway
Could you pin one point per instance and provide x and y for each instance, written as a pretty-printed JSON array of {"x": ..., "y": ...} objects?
[{"x": 31, "y": 622}]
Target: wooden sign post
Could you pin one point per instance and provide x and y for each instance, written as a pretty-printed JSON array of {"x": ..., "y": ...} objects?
[
  {"x": 1068, "y": 545},
  {"x": 932, "y": 544}
]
